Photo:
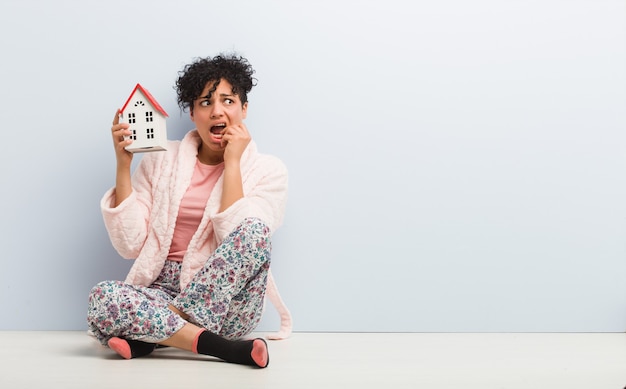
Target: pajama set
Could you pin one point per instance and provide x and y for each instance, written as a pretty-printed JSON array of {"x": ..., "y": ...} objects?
[{"x": 211, "y": 265}]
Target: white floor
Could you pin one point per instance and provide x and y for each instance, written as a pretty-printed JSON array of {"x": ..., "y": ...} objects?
[{"x": 328, "y": 360}]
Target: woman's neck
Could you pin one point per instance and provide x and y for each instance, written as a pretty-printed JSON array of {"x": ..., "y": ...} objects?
[{"x": 206, "y": 157}]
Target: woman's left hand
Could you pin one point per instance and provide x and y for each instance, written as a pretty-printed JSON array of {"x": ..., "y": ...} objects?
[{"x": 235, "y": 138}]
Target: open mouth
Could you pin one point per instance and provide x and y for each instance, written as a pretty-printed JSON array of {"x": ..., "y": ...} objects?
[{"x": 218, "y": 128}]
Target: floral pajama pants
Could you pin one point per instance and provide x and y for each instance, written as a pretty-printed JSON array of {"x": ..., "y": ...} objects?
[{"x": 224, "y": 297}]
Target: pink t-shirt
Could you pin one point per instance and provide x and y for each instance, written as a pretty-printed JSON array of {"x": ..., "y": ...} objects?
[{"x": 192, "y": 207}]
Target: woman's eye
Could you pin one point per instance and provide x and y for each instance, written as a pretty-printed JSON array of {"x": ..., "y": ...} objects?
[
  {"x": 229, "y": 101},
  {"x": 205, "y": 103}
]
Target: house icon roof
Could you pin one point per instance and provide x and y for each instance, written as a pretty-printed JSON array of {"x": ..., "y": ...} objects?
[{"x": 150, "y": 98}]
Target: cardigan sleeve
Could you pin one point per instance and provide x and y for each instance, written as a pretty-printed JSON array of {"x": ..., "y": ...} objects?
[
  {"x": 127, "y": 224},
  {"x": 265, "y": 197}
]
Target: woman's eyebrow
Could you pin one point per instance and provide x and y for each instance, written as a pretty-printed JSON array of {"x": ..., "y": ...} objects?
[{"x": 207, "y": 97}]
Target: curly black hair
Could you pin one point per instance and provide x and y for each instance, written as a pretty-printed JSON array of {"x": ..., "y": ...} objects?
[{"x": 193, "y": 78}]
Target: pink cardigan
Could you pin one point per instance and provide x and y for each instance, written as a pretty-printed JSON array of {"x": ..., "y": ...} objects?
[{"x": 142, "y": 226}]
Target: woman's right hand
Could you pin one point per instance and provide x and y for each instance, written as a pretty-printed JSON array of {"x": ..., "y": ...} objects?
[{"x": 119, "y": 131}]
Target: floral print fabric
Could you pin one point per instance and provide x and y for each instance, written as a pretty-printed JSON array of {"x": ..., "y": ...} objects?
[{"x": 224, "y": 297}]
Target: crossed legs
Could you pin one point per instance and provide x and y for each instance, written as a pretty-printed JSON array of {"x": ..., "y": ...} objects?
[{"x": 221, "y": 304}]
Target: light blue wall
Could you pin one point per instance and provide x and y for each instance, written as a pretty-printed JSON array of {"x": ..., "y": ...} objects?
[{"x": 454, "y": 165}]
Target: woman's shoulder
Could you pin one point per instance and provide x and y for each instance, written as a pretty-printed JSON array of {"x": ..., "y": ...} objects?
[
  {"x": 274, "y": 162},
  {"x": 268, "y": 162}
]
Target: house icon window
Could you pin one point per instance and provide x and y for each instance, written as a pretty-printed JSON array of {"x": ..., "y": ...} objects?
[{"x": 149, "y": 134}]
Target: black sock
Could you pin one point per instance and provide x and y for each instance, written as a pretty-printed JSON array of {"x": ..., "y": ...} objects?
[
  {"x": 139, "y": 348},
  {"x": 244, "y": 352},
  {"x": 129, "y": 348}
]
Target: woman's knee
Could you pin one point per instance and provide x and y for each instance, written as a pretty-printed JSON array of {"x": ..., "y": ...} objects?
[
  {"x": 255, "y": 227},
  {"x": 103, "y": 289},
  {"x": 258, "y": 235}
]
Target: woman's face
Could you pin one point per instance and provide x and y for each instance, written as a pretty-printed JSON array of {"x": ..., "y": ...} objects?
[{"x": 212, "y": 115}]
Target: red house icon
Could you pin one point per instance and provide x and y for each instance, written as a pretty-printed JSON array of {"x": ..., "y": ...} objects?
[{"x": 147, "y": 121}]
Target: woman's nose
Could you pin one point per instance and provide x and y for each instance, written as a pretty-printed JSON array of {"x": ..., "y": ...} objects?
[{"x": 217, "y": 111}]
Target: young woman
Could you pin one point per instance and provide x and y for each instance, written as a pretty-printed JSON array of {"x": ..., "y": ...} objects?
[{"x": 197, "y": 219}]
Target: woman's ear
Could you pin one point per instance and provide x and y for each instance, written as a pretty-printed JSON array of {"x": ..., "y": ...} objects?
[{"x": 245, "y": 109}]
